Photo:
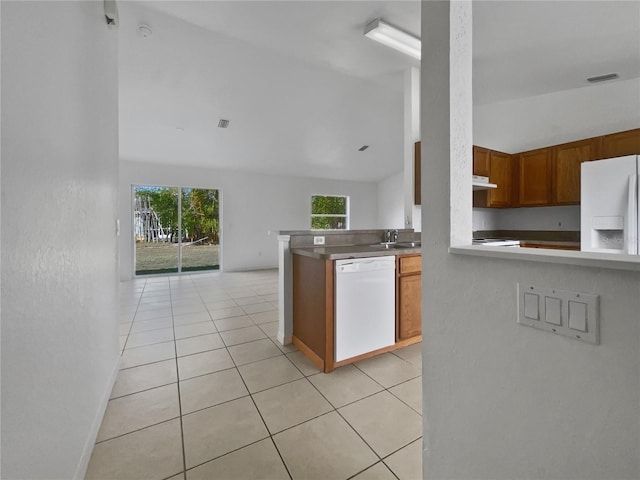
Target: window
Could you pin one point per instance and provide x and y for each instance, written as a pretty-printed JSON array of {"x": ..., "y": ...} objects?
[{"x": 329, "y": 212}]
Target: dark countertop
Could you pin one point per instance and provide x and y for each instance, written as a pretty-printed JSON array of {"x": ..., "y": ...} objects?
[
  {"x": 562, "y": 239},
  {"x": 559, "y": 236},
  {"x": 342, "y": 252},
  {"x": 551, "y": 244}
]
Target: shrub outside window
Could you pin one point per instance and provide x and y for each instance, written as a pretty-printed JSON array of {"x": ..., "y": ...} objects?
[{"x": 329, "y": 212}]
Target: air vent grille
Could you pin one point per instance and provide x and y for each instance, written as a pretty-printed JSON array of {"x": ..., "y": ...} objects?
[
  {"x": 223, "y": 123},
  {"x": 603, "y": 78}
]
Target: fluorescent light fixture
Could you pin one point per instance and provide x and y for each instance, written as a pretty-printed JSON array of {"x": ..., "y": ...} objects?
[{"x": 393, "y": 37}]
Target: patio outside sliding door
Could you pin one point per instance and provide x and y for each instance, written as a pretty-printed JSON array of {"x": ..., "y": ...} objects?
[
  {"x": 200, "y": 232},
  {"x": 175, "y": 229}
]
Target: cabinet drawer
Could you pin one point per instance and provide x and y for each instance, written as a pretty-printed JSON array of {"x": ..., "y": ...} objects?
[{"x": 409, "y": 264}]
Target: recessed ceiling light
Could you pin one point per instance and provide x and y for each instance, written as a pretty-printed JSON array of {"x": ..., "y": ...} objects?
[
  {"x": 223, "y": 123},
  {"x": 603, "y": 78},
  {"x": 363, "y": 148}
]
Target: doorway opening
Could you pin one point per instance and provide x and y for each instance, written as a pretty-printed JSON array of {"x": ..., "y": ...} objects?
[{"x": 175, "y": 229}]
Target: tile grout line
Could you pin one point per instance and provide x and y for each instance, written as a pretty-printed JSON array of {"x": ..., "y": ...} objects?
[
  {"x": 350, "y": 426},
  {"x": 256, "y": 405},
  {"x": 238, "y": 372},
  {"x": 184, "y": 453},
  {"x": 133, "y": 319},
  {"x": 380, "y": 458},
  {"x": 137, "y": 430},
  {"x": 265, "y": 424}
]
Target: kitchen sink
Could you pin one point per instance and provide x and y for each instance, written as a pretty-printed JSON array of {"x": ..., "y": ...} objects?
[
  {"x": 385, "y": 245},
  {"x": 390, "y": 245},
  {"x": 409, "y": 244}
]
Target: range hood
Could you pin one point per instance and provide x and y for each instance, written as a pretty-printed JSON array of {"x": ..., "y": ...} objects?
[{"x": 481, "y": 183}]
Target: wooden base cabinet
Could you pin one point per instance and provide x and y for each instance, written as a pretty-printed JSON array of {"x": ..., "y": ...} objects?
[
  {"x": 408, "y": 296},
  {"x": 417, "y": 175},
  {"x": 314, "y": 306},
  {"x": 313, "y": 310}
]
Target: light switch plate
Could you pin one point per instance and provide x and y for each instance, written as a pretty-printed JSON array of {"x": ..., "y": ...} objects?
[{"x": 572, "y": 314}]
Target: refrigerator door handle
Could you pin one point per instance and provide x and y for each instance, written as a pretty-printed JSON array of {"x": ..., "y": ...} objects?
[{"x": 632, "y": 216}]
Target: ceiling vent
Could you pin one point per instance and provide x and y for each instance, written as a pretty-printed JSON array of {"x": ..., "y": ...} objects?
[
  {"x": 223, "y": 123},
  {"x": 144, "y": 30},
  {"x": 363, "y": 148},
  {"x": 603, "y": 78}
]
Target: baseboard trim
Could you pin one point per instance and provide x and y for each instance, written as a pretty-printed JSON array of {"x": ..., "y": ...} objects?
[
  {"x": 310, "y": 354},
  {"x": 284, "y": 339},
  {"x": 83, "y": 464}
]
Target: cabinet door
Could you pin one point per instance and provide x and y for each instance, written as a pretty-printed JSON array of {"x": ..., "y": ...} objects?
[
  {"x": 417, "y": 175},
  {"x": 481, "y": 161},
  {"x": 621, "y": 144},
  {"x": 567, "y": 159},
  {"x": 534, "y": 178},
  {"x": 500, "y": 165},
  {"x": 409, "y": 306}
]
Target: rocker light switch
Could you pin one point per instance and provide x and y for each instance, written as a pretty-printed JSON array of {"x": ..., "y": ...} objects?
[
  {"x": 578, "y": 316},
  {"x": 552, "y": 310},
  {"x": 531, "y": 307},
  {"x": 562, "y": 312}
]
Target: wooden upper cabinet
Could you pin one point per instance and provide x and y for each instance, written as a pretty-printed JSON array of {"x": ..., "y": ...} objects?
[
  {"x": 498, "y": 166},
  {"x": 481, "y": 161},
  {"x": 567, "y": 159},
  {"x": 417, "y": 175},
  {"x": 545, "y": 176},
  {"x": 621, "y": 144},
  {"x": 534, "y": 178},
  {"x": 501, "y": 165}
]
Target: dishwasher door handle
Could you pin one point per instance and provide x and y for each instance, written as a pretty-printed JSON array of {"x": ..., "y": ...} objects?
[{"x": 369, "y": 266}]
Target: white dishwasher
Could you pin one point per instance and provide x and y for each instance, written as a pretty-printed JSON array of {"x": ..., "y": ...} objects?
[{"x": 365, "y": 305}]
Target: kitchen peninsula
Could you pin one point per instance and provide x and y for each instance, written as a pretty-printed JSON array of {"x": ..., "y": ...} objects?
[{"x": 327, "y": 307}]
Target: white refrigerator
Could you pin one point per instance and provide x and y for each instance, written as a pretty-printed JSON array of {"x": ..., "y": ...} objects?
[{"x": 609, "y": 206}]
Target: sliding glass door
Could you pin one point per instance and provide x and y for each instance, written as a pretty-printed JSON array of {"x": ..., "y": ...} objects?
[
  {"x": 175, "y": 229},
  {"x": 200, "y": 229}
]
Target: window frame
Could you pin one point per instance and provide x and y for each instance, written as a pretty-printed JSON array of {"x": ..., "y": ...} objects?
[{"x": 346, "y": 215}]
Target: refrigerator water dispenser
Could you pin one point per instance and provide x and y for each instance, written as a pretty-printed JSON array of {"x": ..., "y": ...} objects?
[{"x": 607, "y": 233}]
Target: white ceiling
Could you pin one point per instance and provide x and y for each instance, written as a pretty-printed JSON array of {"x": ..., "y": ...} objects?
[{"x": 304, "y": 89}]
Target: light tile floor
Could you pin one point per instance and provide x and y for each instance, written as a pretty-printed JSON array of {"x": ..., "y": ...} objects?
[{"x": 205, "y": 391}]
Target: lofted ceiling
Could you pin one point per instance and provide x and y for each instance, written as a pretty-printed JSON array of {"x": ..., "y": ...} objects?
[{"x": 303, "y": 89}]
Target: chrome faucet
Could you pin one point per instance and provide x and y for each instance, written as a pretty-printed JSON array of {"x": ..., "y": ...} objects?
[{"x": 391, "y": 236}]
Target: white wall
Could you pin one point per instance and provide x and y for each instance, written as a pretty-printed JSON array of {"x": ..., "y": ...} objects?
[
  {"x": 59, "y": 256},
  {"x": 500, "y": 400},
  {"x": 485, "y": 219},
  {"x": 533, "y": 122},
  {"x": 539, "y": 218},
  {"x": 252, "y": 206},
  {"x": 391, "y": 202}
]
